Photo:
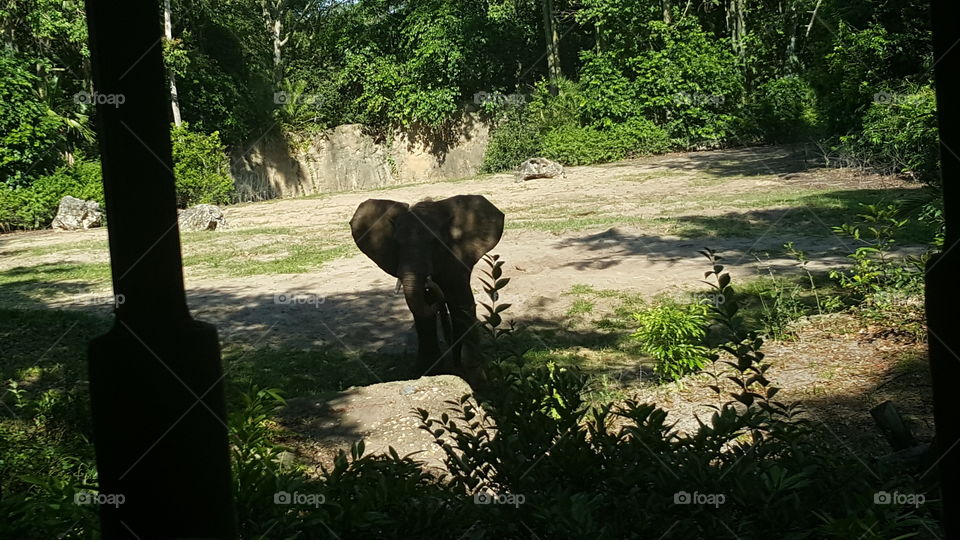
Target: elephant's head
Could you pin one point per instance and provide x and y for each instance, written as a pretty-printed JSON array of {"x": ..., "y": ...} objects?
[{"x": 431, "y": 245}]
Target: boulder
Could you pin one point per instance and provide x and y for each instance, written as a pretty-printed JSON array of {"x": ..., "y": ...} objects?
[
  {"x": 539, "y": 168},
  {"x": 75, "y": 213},
  {"x": 202, "y": 217},
  {"x": 382, "y": 415}
]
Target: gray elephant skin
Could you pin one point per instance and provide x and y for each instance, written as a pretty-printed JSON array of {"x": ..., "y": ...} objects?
[{"x": 432, "y": 247}]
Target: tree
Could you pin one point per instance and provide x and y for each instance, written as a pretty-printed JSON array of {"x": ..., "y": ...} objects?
[{"x": 168, "y": 36}]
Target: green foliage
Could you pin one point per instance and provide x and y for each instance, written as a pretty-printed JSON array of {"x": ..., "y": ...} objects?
[
  {"x": 29, "y": 135},
  {"x": 549, "y": 126},
  {"x": 573, "y": 145},
  {"x": 34, "y": 206},
  {"x": 874, "y": 267},
  {"x": 673, "y": 335},
  {"x": 785, "y": 110},
  {"x": 533, "y": 452},
  {"x": 676, "y": 75},
  {"x": 899, "y": 135},
  {"x": 515, "y": 138},
  {"x": 889, "y": 287},
  {"x": 201, "y": 167},
  {"x": 520, "y": 128}
]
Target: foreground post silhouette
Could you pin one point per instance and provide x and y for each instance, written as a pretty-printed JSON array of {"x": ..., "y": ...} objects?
[
  {"x": 943, "y": 271},
  {"x": 155, "y": 377}
]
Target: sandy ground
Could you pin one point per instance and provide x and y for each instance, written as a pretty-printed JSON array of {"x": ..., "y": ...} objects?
[{"x": 352, "y": 302}]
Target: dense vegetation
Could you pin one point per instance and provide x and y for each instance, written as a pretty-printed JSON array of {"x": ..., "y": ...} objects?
[{"x": 623, "y": 79}]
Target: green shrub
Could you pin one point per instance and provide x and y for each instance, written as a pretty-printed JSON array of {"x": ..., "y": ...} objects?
[
  {"x": 572, "y": 145},
  {"x": 785, "y": 110},
  {"x": 899, "y": 135},
  {"x": 515, "y": 139},
  {"x": 28, "y": 133},
  {"x": 673, "y": 335},
  {"x": 518, "y": 133},
  {"x": 854, "y": 68},
  {"x": 201, "y": 167},
  {"x": 34, "y": 206},
  {"x": 888, "y": 287},
  {"x": 675, "y": 74}
]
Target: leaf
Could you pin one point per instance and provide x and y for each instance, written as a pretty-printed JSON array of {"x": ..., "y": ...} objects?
[
  {"x": 501, "y": 283},
  {"x": 502, "y": 307},
  {"x": 724, "y": 280}
]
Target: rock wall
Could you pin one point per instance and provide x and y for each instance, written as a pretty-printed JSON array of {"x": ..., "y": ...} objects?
[{"x": 351, "y": 157}]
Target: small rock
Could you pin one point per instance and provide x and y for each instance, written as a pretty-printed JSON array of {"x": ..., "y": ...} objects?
[
  {"x": 539, "y": 168},
  {"x": 202, "y": 217},
  {"x": 74, "y": 214},
  {"x": 407, "y": 390}
]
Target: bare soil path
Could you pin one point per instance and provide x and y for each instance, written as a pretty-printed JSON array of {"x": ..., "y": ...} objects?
[{"x": 632, "y": 226}]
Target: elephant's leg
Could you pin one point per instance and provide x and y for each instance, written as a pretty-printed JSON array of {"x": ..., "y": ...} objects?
[{"x": 465, "y": 328}]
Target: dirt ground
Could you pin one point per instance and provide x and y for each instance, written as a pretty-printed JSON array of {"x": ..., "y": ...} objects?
[{"x": 354, "y": 306}]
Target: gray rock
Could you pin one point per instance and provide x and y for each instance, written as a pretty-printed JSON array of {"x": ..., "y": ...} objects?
[
  {"x": 74, "y": 214},
  {"x": 539, "y": 168},
  {"x": 202, "y": 217}
]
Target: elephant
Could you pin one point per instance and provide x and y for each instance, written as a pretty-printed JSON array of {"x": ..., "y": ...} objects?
[{"x": 431, "y": 248}]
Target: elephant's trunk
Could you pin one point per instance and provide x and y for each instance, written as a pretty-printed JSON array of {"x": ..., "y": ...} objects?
[
  {"x": 424, "y": 316},
  {"x": 415, "y": 292}
]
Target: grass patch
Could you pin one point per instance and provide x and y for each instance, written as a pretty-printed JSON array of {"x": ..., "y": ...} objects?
[
  {"x": 580, "y": 307},
  {"x": 318, "y": 372},
  {"x": 26, "y": 286},
  {"x": 268, "y": 259}
]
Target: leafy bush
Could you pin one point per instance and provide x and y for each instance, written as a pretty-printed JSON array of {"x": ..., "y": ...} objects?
[
  {"x": 673, "y": 335},
  {"x": 35, "y": 205},
  {"x": 515, "y": 138},
  {"x": 855, "y": 67},
  {"x": 586, "y": 145},
  {"x": 201, "y": 168},
  {"x": 534, "y": 452},
  {"x": 899, "y": 135},
  {"x": 200, "y": 165},
  {"x": 888, "y": 287},
  {"x": 28, "y": 133},
  {"x": 677, "y": 75},
  {"x": 518, "y": 132},
  {"x": 785, "y": 110},
  {"x": 549, "y": 126}
]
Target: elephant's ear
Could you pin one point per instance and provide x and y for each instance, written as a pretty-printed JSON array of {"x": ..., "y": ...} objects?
[
  {"x": 372, "y": 226},
  {"x": 476, "y": 226}
]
